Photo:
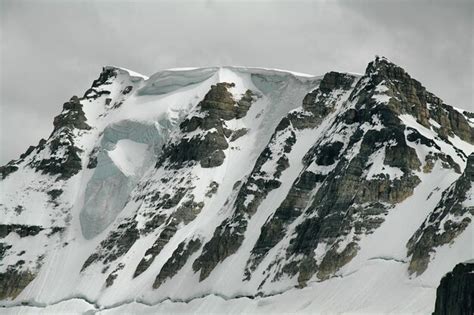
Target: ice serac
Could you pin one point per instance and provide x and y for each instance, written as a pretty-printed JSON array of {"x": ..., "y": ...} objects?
[
  {"x": 169, "y": 81},
  {"x": 110, "y": 184},
  {"x": 242, "y": 188},
  {"x": 126, "y": 150}
]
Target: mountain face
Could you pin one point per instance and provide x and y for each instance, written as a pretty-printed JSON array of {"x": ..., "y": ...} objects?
[{"x": 238, "y": 189}]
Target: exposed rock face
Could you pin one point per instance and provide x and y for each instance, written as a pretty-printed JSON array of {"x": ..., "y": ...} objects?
[
  {"x": 223, "y": 244},
  {"x": 229, "y": 235},
  {"x": 12, "y": 282},
  {"x": 452, "y": 123},
  {"x": 340, "y": 201},
  {"x": 115, "y": 245},
  {"x": 21, "y": 267},
  {"x": 184, "y": 209},
  {"x": 20, "y": 230},
  {"x": 273, "y": 231},
  {"x": 208, "y": 151},
  {"x": 105, "y": 77},
  {"x": 455, "y": 293},
  {"x": 113, "y": 275},
  {"x": 168, "y": 210},
  {"x": 164, "y": 237},
  {"x": 319, "y": 103},
  {"x": 72, "y": 116},
  {"x": 324, "y": 98},
  {"x": 410, "y": 97},
  {"x": 177, "y": 261},
  {"x": 66, "y": 165},
  {"x": 207, "y": 147},
  {"x": 7, "y": 170},
  {"x": 12, "y": 166},
  {"x": 65, "y": 160},
  {"x": 449, "y": 219}
]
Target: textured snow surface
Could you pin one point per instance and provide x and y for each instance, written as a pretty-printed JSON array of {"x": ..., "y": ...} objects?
[
  {"x": 377, "y": 287},
  {"x": 128, "y": 156},
  {"x": 382, "y": 280}
]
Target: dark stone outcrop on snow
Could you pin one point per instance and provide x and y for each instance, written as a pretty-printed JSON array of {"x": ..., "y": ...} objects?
[
  {"x": 12, "y": 166},
  {"x": 319, "y": 103},
  {"x": 109, "y": 281},
  {"x": 7, "y": 169},
  {"x": 68, "y": 163},
  {"x": 410, "y": 97},
  {"x": 177, "y": 260},
  {"x": 62, "y": 139},
  {"x": 455, "y": 293},
  {"x": 72, "y": 116},
  {"x": 163, "y": 239},
  {"x": 105, "y": 77},
  {"x": 342, "y": 202},
  {"x": 13, "y": 281},
  {"x": 229, "y": 235},
  {"x": 117, "y": 244},
  {"x": 185, "y": 213},
  {"x": 449, "y": 219},
  {"x": 20, "y": 229},
  {"x": 208, "y": 146},
  {"x": 66, "y": 125}
]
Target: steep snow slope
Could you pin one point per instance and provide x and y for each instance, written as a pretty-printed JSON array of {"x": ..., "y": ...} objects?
[{"x": 240, "y": 189}]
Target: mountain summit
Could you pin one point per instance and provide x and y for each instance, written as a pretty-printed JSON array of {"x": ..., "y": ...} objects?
[{"x": 230, "y": 188}]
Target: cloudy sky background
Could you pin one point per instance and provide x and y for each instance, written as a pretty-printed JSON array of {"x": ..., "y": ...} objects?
[{"x": 51, "y": 50}]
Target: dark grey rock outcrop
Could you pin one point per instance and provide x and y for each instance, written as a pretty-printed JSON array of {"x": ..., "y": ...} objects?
[
  {"x": 116, "y": 244},
  {"x": 229, "y": 235},
  {"x": 13, "y": 281},
  {"x": 208, "y": 146},
  {"x": 342, "y": 201},
  {"x": 449, "y": 219},
  {"x": 177, "y": 260},
  {"x": 455, "y": 293}
]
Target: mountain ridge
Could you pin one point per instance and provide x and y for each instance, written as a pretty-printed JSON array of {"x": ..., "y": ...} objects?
[{"x": 288, "y": 181}]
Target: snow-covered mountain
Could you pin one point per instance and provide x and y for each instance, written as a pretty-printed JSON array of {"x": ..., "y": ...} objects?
[{"x": 235, "y": 189}]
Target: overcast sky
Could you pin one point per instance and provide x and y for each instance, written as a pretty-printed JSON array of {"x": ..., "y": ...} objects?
[{"x": 51, "y": 50}]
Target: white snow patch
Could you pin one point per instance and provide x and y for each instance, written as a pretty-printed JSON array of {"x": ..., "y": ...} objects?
[
  {"x": 434, "y": 123},
  {"x": 128, "y": 156},
  {"x": 469, "y": 202}
]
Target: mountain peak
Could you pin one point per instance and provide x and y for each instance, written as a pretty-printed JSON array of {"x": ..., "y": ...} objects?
[
  {"x": 383, "y": 68},
  {"x": 124, "y": 70},
  {"x": 158, "y": 188}
]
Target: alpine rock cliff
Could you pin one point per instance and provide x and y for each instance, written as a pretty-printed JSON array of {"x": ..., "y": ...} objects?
[{"x": 235, "y": 189}]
